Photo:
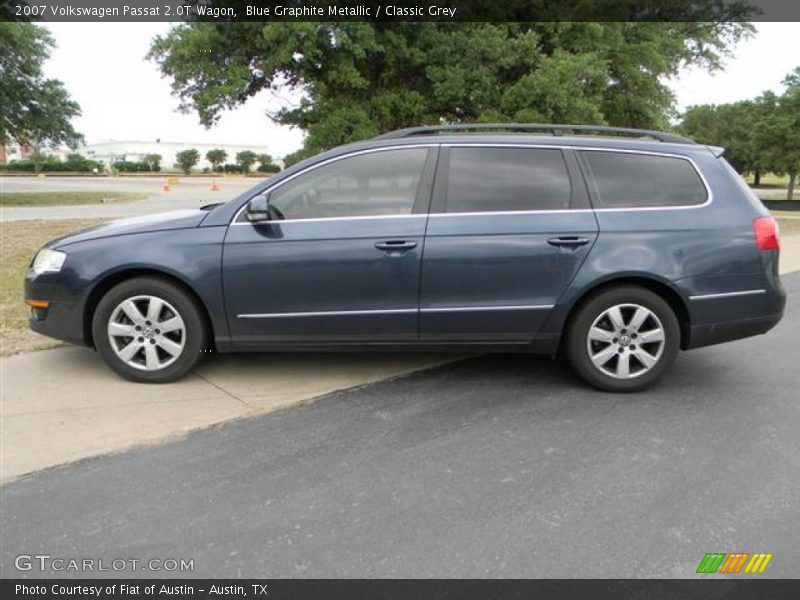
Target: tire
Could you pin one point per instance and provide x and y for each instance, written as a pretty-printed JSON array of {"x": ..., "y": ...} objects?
[
  {"x": 606, "y": 335},
  {"x": 149, "y": 354}
]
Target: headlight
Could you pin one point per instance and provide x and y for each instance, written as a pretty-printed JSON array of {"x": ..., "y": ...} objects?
[{"x": 48, "y": 261}]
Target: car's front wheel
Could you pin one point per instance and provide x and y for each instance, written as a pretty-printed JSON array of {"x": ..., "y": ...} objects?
[
  {"x": 623, "y": 339},
  {"x": 148, "y": 329}
]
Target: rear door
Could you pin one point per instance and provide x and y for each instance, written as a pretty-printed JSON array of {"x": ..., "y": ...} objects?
[{"x": 508, "y": 230}]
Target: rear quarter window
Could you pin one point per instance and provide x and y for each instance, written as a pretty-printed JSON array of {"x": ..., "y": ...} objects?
[{"x": 627, "y": 180}]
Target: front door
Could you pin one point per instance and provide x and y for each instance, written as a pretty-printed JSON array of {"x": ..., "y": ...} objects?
[
  {"x": 508, "y": 230},
  {"x": 339, "y": 260}
]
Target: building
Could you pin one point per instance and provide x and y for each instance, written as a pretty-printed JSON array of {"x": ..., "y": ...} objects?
[
  {"x": 113, "y": 151},
  {"x": 14, "y": 151}
]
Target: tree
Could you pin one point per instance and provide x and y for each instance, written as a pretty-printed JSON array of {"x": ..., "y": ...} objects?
[
  {"x": 245, "y": 160},
  {"x": 734, "y": 127},
  {"x": 216, "y": 157},
  {"x": 358, "y": 79},
  {"x": 779, "y": 134},
  {"x": 33, "y": 110},
  {"x": 186, "y": 159},
  {"x": 153, "y": 161},
  {"x": 266, "y": 164},
  {"x": 758, "y": 135}
]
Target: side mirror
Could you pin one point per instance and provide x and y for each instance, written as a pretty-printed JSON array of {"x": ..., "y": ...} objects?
[{"x": 258, "y": 208}]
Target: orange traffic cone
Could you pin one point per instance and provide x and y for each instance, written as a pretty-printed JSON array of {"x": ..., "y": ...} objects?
[
  {"x": 214, "y": 186},
  {"x": 166, "y": 186}
]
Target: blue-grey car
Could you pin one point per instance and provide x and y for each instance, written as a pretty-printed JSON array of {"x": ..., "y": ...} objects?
[{"x": 615, "y": 250}]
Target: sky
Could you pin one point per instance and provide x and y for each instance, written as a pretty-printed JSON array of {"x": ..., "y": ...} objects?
[{"x": 124, "y": 97}]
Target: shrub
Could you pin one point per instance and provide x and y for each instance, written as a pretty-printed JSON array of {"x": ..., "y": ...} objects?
[
  {"x": 53, "y": 166},
  {"x": 186, "y": 159},
  {"x": 127, "y": 166}
]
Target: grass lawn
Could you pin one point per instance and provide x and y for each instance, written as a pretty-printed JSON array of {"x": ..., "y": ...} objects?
[
  {"x": 19, "y": 241},
  {"x": 67, "y": 198},
  {"x": 769, "y": 180}
]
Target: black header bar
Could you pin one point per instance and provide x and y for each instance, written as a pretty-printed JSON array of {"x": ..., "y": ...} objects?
[
  {"x": 400, "y": 589},
  {"x": 399, "y": 10}
]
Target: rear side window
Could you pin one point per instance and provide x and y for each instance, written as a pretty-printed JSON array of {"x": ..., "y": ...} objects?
[
  {"x": 624, "y": 180},
  {"x": 506, "y": 179}
]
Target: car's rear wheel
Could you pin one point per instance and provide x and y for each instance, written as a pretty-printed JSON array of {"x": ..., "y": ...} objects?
[
  {"x": 148, "y": 329},
  {"x": 623, "y": 339}
]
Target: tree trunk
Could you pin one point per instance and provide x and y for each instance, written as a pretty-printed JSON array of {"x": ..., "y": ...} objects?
[
  {"x": 790, "y": 189},
  {"x": 756, "y": 178}
]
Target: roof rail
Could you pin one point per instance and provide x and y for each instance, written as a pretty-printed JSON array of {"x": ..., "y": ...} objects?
[{"x": 535, "y": 127}]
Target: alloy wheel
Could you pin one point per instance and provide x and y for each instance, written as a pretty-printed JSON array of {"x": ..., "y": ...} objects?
[
  {"x": 146, "y": 332},
  {"x": 625, "y": 341}
]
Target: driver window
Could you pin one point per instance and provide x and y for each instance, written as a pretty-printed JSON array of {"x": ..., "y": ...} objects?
[{"x": 373, "y": 184}]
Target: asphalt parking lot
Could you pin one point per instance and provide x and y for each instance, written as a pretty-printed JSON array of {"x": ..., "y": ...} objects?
[{"x": 497, "y": 466}]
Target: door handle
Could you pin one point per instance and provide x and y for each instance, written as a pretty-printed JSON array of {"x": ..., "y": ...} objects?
[
  {"x": 568, "y": 241},
  {"x": 396, "y": 245}
]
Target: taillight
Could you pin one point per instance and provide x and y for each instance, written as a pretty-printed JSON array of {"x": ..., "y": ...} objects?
[{"x": 766, "y": 230}]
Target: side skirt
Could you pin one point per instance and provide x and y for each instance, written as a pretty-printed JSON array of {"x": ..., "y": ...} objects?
[{"x": 549, "y": 347}]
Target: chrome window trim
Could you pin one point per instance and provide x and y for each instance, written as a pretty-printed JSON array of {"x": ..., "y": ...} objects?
[
  {"x": 691, "y": 161},
  {"x": 392, "y": 311},
  {"x": 269, "y": 190},
  {"x": 359, "y": 218},
  {"x": 512, "y": 212},
  {"x": 728, "y": 294}
]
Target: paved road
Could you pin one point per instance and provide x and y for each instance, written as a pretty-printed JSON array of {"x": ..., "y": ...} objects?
[
  {"x": 494, "y": 466},
  {"x": 62, "y": 405},
  {"x": 190, "y": 192}
]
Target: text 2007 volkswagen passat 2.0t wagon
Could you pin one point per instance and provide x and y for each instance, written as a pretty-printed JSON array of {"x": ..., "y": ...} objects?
[{"x": 616, "y": 249}]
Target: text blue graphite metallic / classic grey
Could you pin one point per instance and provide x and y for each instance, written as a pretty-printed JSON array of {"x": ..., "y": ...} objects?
[{"x": 617, "y": 250}]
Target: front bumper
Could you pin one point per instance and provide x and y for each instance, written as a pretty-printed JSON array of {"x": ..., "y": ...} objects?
[{"x": 63, "y": 319}]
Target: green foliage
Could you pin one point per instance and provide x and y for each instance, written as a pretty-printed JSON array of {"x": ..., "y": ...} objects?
[
  {"x": 216, "y": 157},
  {"x": 266, "y": 164},
  {"x": 49, "y": 164},
  {"x": 153, "y": 161},
  {"x": 731, "y": 126},
  {"x": 246, "y": 159},
  {"x": 758, "y": 135},
  {"x": 77, "y": 162},
  {"x": 779, "y": 134},
  {"x": 128, "y": 166},
  {"x": 186, "y": 159},
  {"x": 33, "y": 110},
  {"x": 359, "y": 79},
  {"x": 38, "y": 158},
  {"x": 74, "y": 159}
]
